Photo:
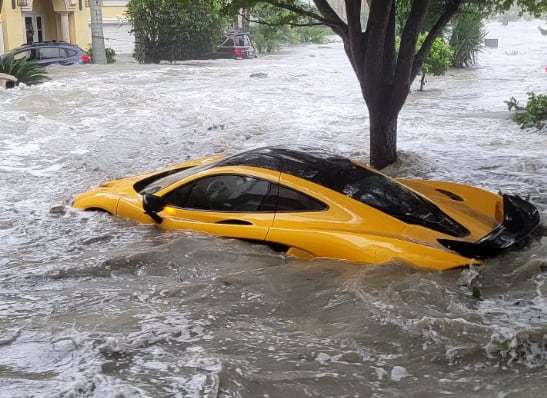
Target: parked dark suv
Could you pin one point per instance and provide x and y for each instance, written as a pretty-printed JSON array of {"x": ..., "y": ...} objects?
[
  {"x": 51, "y": 52},
  {"x": 236, "y": 44}
]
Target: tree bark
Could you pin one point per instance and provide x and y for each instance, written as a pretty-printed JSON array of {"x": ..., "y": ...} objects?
[
  {"x": 383, "y": 137},
  {"x": 384, "y": 75}
]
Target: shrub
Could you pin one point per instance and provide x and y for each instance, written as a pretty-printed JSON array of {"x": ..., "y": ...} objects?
[
  {"x": 174, "y": 29},
  {"x": 109, "y": 52},
  {"x": 533, "y": 114},
  {"x": 27, "y": 72},
  {"x": 467, "y": 37},
  {"x": 438, "y": 61}
]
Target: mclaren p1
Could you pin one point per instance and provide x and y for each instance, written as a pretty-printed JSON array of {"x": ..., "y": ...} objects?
[{"x": 311, "y": 203}]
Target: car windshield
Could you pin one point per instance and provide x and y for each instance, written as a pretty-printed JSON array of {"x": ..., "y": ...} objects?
[
  {"x": 382, "y": 193},
  {"x": 158, "y": 184},
  {"x": 393, "y": 198}
]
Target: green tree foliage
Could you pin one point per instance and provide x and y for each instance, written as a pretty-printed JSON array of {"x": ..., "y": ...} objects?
[
  {"x": 533, "y": 114},
  {"x": 438, "y": 60},
  {"x": 175, "y": 29},
  {"x": 270, "y": 32},
  {"x": 384, "y": 74},
  {"x": 467, "y": 37},
  {"x": 27, "y": 72},
  {"x": 465, "y": 32}
]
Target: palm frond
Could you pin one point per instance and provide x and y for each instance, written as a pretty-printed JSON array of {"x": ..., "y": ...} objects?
[{"x": 27, "y": 72}]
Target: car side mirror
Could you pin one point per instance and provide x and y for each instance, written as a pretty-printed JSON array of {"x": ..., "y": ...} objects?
[{"x": 153, "y": 204}]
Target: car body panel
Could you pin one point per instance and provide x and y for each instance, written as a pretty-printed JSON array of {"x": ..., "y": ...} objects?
[
  {"x": 365, "y": 248},
  {"x": 51, "y": 52},
  {"x": 277, "y": 197},
  {"x": 237, "y": 45},
  {"x": 479, "y": 210}
]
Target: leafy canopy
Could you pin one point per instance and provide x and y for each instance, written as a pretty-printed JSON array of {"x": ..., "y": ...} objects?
[{"x": 175, "y": 29}]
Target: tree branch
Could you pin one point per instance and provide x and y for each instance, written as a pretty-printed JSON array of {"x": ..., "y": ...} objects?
[
  {"x": 355, "y": 36},
  {"x": 378, "y": 21},
  {"x": 450, "y": 10},
  {"x": 328, "y": 17},
  {"x": 407, "y": 49},
  {"x": 262, "y": 22}
]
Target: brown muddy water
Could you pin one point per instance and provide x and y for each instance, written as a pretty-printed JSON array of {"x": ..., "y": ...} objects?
[{"x": 94, "y": 306}]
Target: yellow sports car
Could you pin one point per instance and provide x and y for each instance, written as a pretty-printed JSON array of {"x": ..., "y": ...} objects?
[{"x": 310, "y": 203}]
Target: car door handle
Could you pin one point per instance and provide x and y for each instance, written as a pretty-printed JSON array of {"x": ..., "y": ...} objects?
[{"x": 233, "y": 221}]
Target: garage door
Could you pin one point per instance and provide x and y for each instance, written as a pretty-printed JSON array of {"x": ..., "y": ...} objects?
[{"x": 118, "y": 36}]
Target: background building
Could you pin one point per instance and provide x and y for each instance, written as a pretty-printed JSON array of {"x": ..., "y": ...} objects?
[{"x": 23, "y": 21}]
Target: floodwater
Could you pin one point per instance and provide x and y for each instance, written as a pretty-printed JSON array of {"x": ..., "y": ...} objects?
[{"x": 94, "y": 306}]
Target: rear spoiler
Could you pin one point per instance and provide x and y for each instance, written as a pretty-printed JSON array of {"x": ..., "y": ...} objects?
[{"x": 520, "y": 225}]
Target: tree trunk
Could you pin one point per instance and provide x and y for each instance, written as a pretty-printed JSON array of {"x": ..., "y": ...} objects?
[
  {"x": 385, "y": 75},
  {"x": 383, "y": 137},
  {"x": 422, "y": 82},
  {"x": 97, "y": 35}
]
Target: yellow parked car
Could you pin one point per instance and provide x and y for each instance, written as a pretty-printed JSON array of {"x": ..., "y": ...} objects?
[{"x": 310, "y": 203}]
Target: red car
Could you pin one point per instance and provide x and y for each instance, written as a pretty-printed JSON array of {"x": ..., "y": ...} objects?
[{"x": 236, "y": 45}]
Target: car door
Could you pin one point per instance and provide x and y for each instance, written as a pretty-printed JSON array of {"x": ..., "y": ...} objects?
[
  {"x": 299, "y": 220},
  {"x": 232, "y": 205},
  {"x": 48, "y": 55}
]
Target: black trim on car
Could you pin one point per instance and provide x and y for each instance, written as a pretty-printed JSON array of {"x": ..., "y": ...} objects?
[{"x": 521, "y": 224}]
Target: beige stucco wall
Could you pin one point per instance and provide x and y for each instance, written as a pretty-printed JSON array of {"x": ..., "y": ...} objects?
[
  {"x": 114, "y": 12},
  {"x": 13, "y": 29},
  {"x": 12, "y": 26}
]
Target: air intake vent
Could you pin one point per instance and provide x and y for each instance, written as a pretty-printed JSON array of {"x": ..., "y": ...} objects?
[{"x": 451, "y": 195}]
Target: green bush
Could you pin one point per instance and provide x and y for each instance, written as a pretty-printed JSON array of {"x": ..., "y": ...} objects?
[
  {"x": 110, "y": 54},
  {"x": 27, "y": 72},
  {"x": 438, "y": 60},
  {"x": 175, "y": 29},
  {"x": 533, "y": 114}
]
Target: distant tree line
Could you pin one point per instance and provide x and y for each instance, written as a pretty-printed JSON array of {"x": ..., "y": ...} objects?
[{"x": 191, "y": 29}]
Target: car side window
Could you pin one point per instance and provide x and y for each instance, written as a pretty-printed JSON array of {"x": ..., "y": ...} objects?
[
  {"x": 48, "y": 52},
  {"x": 66, "y": 52},
  {"x": 240, "y": 40},
  {"x": 226, "y": 192},
  {"x": 27, "y": 54},
  {"x": 229, "y": 42},
  {"x": 290, "y": 200}
]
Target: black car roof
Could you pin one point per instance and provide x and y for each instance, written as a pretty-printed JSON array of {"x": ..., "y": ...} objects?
[
  {"x": 348, "y": 178},
  {"x": 44, "y": 44},
  {"x": 312, "y": 164}
]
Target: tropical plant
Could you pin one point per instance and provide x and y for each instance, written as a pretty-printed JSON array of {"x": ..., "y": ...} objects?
[
  {"x": 175, "y": 29},
  {"x": 467, "y": 37},
  {"x": 533, "y": 114},
  {"x": 26, "y": 71}
]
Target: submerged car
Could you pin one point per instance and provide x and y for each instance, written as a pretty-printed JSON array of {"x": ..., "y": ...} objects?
[
  {"x": 51, "y": 52},
  {"x": 237, "y": 45},
  {"x": 311, "y": 203}
]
